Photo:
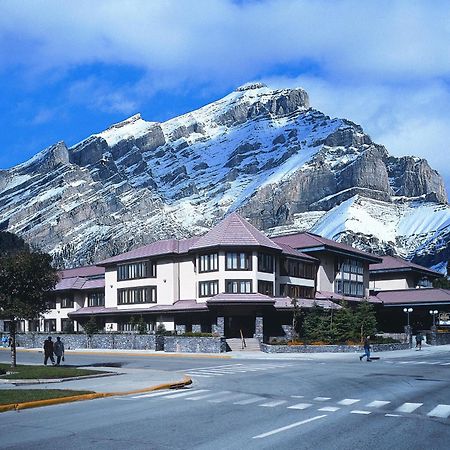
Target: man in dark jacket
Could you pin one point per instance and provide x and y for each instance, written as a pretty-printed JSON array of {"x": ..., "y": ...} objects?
[
  {"x": 48, "y": 351},
  {"x": 366, "y": 349}
]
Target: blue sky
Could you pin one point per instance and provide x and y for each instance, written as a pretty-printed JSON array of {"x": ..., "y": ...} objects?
[{"x": 70, "y": 69}]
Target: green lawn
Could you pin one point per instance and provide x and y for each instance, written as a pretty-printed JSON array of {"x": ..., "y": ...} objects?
[
  {"x": 8, "y": 396},
  {"x": 24, "y": 372}
]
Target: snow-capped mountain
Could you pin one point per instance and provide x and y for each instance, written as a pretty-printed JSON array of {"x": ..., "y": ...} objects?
[{"x": 264, "y": 152}]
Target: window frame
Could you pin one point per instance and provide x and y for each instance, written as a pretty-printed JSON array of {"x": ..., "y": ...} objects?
[
  {"x": 240, "y": 259},
  {"x": 136, "y": 270},
  {"x": 130, "y": 298},
  {"x": 209, "y": 288},
  {"x": 208, "y": 262},
  {"x": 239, "y": 283}
]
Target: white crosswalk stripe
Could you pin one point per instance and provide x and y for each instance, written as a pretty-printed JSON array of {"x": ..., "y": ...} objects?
[
  {"x": 249, "y": 401},
  {"x": 408, "y": 407},
  {"x": 358, "y": 411},
  {"x": 186, "y": 394},
  {"x": 273, "y": 403},
  {"x": 440, "y": 411},
  {"x": 300, "y": 406},
  {"x": 229, "y": 369},
  {"x": 348, "y": 401},
  {"x": 377, "y": 404}
]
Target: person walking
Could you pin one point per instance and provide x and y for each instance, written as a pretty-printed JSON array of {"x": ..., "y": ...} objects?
[
  {"x": 5, "y": 341},
  {"x": 48, "y": 351},
  {"x": 419, "y": 339},
  {"x": 366, "y": 349},
  {"x": 58, "y": 348}
]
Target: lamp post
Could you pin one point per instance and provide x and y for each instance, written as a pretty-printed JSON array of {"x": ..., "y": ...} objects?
[
  {"x": 408, "y": 311},
  {"x": 433, "y": 312}
]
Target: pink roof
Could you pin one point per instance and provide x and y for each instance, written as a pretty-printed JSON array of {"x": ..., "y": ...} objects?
[
  {"x": 87, "y": 271},
  {"x": 234, "y": 231},
  {"x": 309, "y": 241},
  {"x": 67, "y": 284},
  {"x": 94, "y": 284},
  {"x": 334, "y": 296},
  {"x": 393, "y": 263},
  {"x": 180, "y": 306},
  {"x": 158, "y": 248},
  {"x": 415, "y": 296},
  {"x": 289, "y": 251}
]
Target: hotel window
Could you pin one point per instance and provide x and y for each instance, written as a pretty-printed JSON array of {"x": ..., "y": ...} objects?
[
  {"x": 349, "y": 277},
  {"x": 33, "y": 326},
  {"x": 238, "y": 286},
  {"x": 49, "y": 325},
  {"x": 208, "y": 288},
  {"x": 51, "y": 304},
  {"x": 265, "y": 287},
  {"x": 137, "y": 270},
  {"x": 295, "y": 291},
  {"x": 265, "y": 263},
  {"x": 67, "y": 326},
  {"x": 67, "y": 302},
  {"x": 298, "y": 269},
  {"x": 96, "y": 299},
  {"x": 209, "y": 263},
  {"x": 238, "y": 261},
  {"x": 146, "y": 294}
]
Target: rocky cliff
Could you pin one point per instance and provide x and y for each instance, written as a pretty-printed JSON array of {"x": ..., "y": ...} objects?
[{"x": 264, "y": 152}]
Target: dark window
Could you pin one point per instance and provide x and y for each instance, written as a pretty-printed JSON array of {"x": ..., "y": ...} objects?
[
  {"x": 96, "y": 299},
  {"x": 208, "y": 288},
  {"x": 51, "y": 304},
  {"x": 295, "y": 291},
  {"x": 238, "y": 286},
  {"x": 349, "y": 277},
  {"x": 146, "y": 294},
  {"x": 137, "y": 270},
  {"x": 49, "y": 325},
  {"x": 238, "y": 261},
  {"x": 265, "y": 262},
  {"x": 33, "y": 326},
  {"x": 67, "y": 325},
  {"x": 209, "y": 263},
  {"x": 298, "y": 269},
  {"x": 67, "y": 302},
  {"x": 265, "y": 287}
]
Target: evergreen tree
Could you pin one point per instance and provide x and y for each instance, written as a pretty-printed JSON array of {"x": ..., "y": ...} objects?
[
  {"x": 343, "y": 326},
  {"x": 141, "y": 326},
  {"x": 90, "y": 327},
  {"x": 365, "y": 320}
]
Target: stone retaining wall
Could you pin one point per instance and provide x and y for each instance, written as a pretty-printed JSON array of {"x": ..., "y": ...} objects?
[
  {"x": 184, "y": 344},
  {"x": 128, "y": 341},
  {"x": 330, "y": 348}
]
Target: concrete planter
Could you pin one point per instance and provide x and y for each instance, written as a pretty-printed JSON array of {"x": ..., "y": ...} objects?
[{"x": 330, "y": 348}]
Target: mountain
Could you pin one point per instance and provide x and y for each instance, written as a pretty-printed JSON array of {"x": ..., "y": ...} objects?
[{"x": 263, "y": 152}]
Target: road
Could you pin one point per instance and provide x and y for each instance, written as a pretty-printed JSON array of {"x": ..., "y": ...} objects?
[{"x": 310, "y": 403}]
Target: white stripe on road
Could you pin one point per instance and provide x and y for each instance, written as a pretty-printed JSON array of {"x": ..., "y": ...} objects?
[
  {"x": 377, "y": 404},
  {"x": 201, "y": 397},
  {"x": 249, "y": 401},
  {"x": 329, "y": 409},
  {"x": 358, "y": 411},
  {"x": 321, "y": 399},
  {"x": 348, "y": 401},
  {"x": 393, "y": 415},
  {"x": 225, "y": 397},
  {"x": 440, "y": 411},
  {"x": 408, "y": 407},
  {"x": 288, "y": 427},
  {"x": 300, "y": 406},
  {"x": 153, "y": 394},
  {"x": 445, "y": 364},
  {"x": 297, "y": 396},
  {"x": 185, "y": 394},
  {"x": 199, "y": 375},
  {"x": 273, "y": 403}
]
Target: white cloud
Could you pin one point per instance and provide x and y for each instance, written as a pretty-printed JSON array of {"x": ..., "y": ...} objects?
[{"x": 384, "y": 64}]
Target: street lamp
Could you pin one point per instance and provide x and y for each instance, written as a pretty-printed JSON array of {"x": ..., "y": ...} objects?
[
  {"x": 408, "y": 311},
  {"x": 433, "y": 312}
]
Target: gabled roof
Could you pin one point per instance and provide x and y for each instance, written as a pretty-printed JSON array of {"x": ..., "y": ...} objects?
[
  {"x": 227, "y": 299},
  {"x": 158, "y": 248},
  {"x": 309, "y": 242},
  {"x": 334, "y": 296},
  {"x": 86, "y": 271},
  {"x": 395, "y": 264},
  {"x": 423, "y": 296},
  {"x": 289, "y": 251},
  {"x": 234, "y": 231}
]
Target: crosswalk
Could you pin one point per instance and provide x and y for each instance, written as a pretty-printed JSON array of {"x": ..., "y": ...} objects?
[
  {"x": 419, "y": 363},
  {"x": 231, "y": 369},
  {"x": 356, "y": 406}
]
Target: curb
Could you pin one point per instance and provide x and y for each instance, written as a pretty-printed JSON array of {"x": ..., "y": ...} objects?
[{"x": 75, "y": 398}]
